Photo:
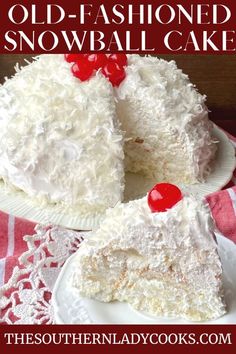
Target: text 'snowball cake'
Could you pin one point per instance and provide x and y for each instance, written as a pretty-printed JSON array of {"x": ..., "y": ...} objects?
[
  {"x": 158, "y": 255},
  {"x": 65, "y": 124}
]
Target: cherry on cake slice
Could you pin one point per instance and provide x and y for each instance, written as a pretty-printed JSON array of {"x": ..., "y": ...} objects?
[
  {"x": 60, "y": 140},
  {"x": 158, "y": 254}
]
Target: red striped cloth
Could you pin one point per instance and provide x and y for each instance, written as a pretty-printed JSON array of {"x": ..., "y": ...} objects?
[
  {"x": 12, "y": 229},
  {"x": 12, "y": 244}
]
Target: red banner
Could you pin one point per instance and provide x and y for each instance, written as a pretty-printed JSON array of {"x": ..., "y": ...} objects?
[
  {"x": 132, "y": 26},
  {"x": 118, "y": 339}
]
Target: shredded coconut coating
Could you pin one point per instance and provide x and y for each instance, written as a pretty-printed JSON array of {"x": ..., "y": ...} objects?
[
  {"x": 165, "y": 264},
  {"x": 59, "y": 138},
  {"x": 168, "y": 133}
]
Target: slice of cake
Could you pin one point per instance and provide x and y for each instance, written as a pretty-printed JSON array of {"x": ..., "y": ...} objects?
[
  {"x": 60, "y": 140},
  {"x": 161, "y": 258},
  {"x": 168, "y": 133}
]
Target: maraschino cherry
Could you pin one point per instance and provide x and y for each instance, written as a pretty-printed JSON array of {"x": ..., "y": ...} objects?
[
  {"x": 114, "y": 72},
  {"x": 163, "y": 196},
  {"x": 120, "y": 59},
  {"x": 112, "y": 66},
  {"x": 72, "y": 58},
  {"x": 82, "y": 69},
  {"x": 97, "y": 60}
]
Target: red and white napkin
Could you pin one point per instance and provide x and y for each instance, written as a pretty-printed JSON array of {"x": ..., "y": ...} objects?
[
  {"x": 223, "y": 209},
  {"x": 12, "y": 245}
]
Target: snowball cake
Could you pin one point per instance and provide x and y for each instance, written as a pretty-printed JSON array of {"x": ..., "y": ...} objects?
[
  {"x": 159, "y": 255},
  {"x": 70, "y": 127}
]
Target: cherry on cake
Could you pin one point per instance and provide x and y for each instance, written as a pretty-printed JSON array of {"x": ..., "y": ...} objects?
[
  {"x": 158, "y": 254},
  {"x": 70, "y": 126}
]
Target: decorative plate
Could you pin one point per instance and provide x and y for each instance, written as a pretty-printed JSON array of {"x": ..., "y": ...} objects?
[
  {"x": 19, "y": 204},
  {"x": 70, "y": 308}
]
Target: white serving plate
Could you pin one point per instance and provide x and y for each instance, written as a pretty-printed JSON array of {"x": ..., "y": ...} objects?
[
  {"x": 19, "y": 204},
  {"x": 70, "y": 308}
]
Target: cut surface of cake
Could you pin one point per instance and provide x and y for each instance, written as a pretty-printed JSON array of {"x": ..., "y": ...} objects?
[
  {"x": 60, "y": 140},
  {"x": 168, "y": 133},
  {"x": 163, "y": 263}
]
